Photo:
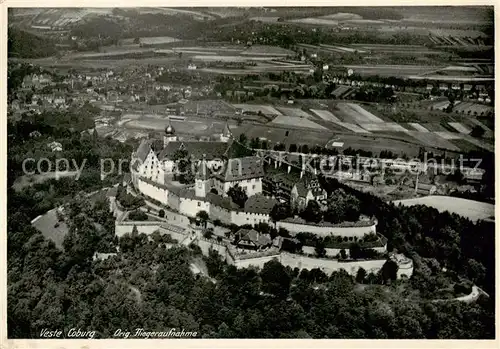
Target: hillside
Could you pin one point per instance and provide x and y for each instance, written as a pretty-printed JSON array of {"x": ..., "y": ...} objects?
[{"x": 22, "y": 44}]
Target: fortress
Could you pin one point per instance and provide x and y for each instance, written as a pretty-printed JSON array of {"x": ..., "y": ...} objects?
[{"x": 154, "y": 166}]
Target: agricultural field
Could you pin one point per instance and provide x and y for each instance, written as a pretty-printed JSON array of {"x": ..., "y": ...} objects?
[
  {"x": 326, "y": 115},
  {"x": 377, "y": 143},
  {"x": 356, "y": 114},
  {"x": 381, "y": 127},
  {"x": 342, "y": 16},
  {"x": 256, "y": 108},
  {"x": 459, "y": 127},
  {"x": 284, "y": 135},
  {"x": 397, "y": 49},
  {"x": 353, "y": 127},
  {"x": 431, "y": 139},
  {"x": 158, "y": 40},
  {"x": 267, "y": 50},
  {"x": 448, "y": 135},
  {"x": 418, "y": 127},
  {"x": 295, "y": 121},
  {"x": 209, "y": 106},
  {"x": 472, "y": 108},
  {"x": 391, "y": 70},
  {"x": 474, "y": 210},
  {"x": 341, "y": 90},
  {"x": 296, "y": 112},
  {"x": 315, "y": 21}
]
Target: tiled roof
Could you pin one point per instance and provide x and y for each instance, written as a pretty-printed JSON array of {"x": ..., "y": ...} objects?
[
  {"x": 144, "y": 149},
  {"x": 301, "y": 189},
  {"x": 196, "y": 149},
  {"x": 259, "y": 204},
  {"x": 254, "y": 236},
  {"x": 224, "y": 202},
  {"x": 243, "y": 168}
]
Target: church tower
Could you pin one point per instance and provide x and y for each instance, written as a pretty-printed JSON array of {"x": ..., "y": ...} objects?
[
  {"x": 226, "y": 134},
  {"x": 169, "y": 134},
  {"x": 201, "y": 180}
]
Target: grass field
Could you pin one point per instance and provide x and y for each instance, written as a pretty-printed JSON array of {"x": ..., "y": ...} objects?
[
  {"x": 297, "y": 122},
  {"x": 191, "y": 125},
  {"x": 47, "y": 226},
  {"x": 474, "y": 210},
  {"x": 28, "y": 180},
  {"x": 285, "y": 135}
]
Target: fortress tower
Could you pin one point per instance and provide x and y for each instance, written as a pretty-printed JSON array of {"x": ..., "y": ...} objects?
[{"x": 169, "y": 134}]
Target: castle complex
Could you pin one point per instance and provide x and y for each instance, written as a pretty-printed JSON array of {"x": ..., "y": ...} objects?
[{"x": 156, "y": 166}]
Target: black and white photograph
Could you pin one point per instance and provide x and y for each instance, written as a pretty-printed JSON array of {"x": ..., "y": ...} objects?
[{"x": 236, "y": 172}]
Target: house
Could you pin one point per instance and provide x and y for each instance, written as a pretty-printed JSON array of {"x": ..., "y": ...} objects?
[
  {"x": 192, "y": 66},
  {"x": 252, "y": 239},
  {"x": 305, "y": 190},
  {"x": 425, "y": 189},
  {"x": 55, "y": 146}
]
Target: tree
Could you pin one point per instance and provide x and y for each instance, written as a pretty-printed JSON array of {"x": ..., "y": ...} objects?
[
  {"x": 161, "y": 213},
  {"x": 477, "y": 132},
  {"x": 280, "y": 211},
  {"x": 312, "y": 212},
  {"x": 275, "y": 279},
  {"x": 360, "y": 275},
  {"x": 389, "y": 271},
  {"x": 238, "y": 195},
  {"x": 203, "y": 217},
  {"x": 208, "y": 234},
  {"x": 137, "y": 40},
  {"x": 320, "y": 248}
]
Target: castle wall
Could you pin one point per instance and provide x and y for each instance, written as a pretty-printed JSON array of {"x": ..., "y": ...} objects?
[
  {"x": 153, "y": 191},
  {"x": 330, "y": 265},
  {"x": 220, "y": 213},
  {"x": 332, "y": 252},
  {"x": 359, "y": 231},
  {"x": 241, "y": 218},
  {"x": 190, "y": 207}
]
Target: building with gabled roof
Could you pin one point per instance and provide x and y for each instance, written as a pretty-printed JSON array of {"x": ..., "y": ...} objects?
[{"x": 252, "y": 239}]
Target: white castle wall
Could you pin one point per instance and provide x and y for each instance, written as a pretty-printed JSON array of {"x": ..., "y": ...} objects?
[
  {"x": 153, "y": 191},
  {"x": 330, "y": 265},
  {"x": 220, "y": 213},
  {"x": 190, "y": 207},
  {"x": 241, "y": 218},
  {"x": 122, "y": 228},
  {"x": 332, "y": 252},
  {"x": 295, "y": 228}
]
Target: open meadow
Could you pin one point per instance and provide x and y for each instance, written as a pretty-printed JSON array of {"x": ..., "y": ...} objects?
[{"x": 474, "y": 210}]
